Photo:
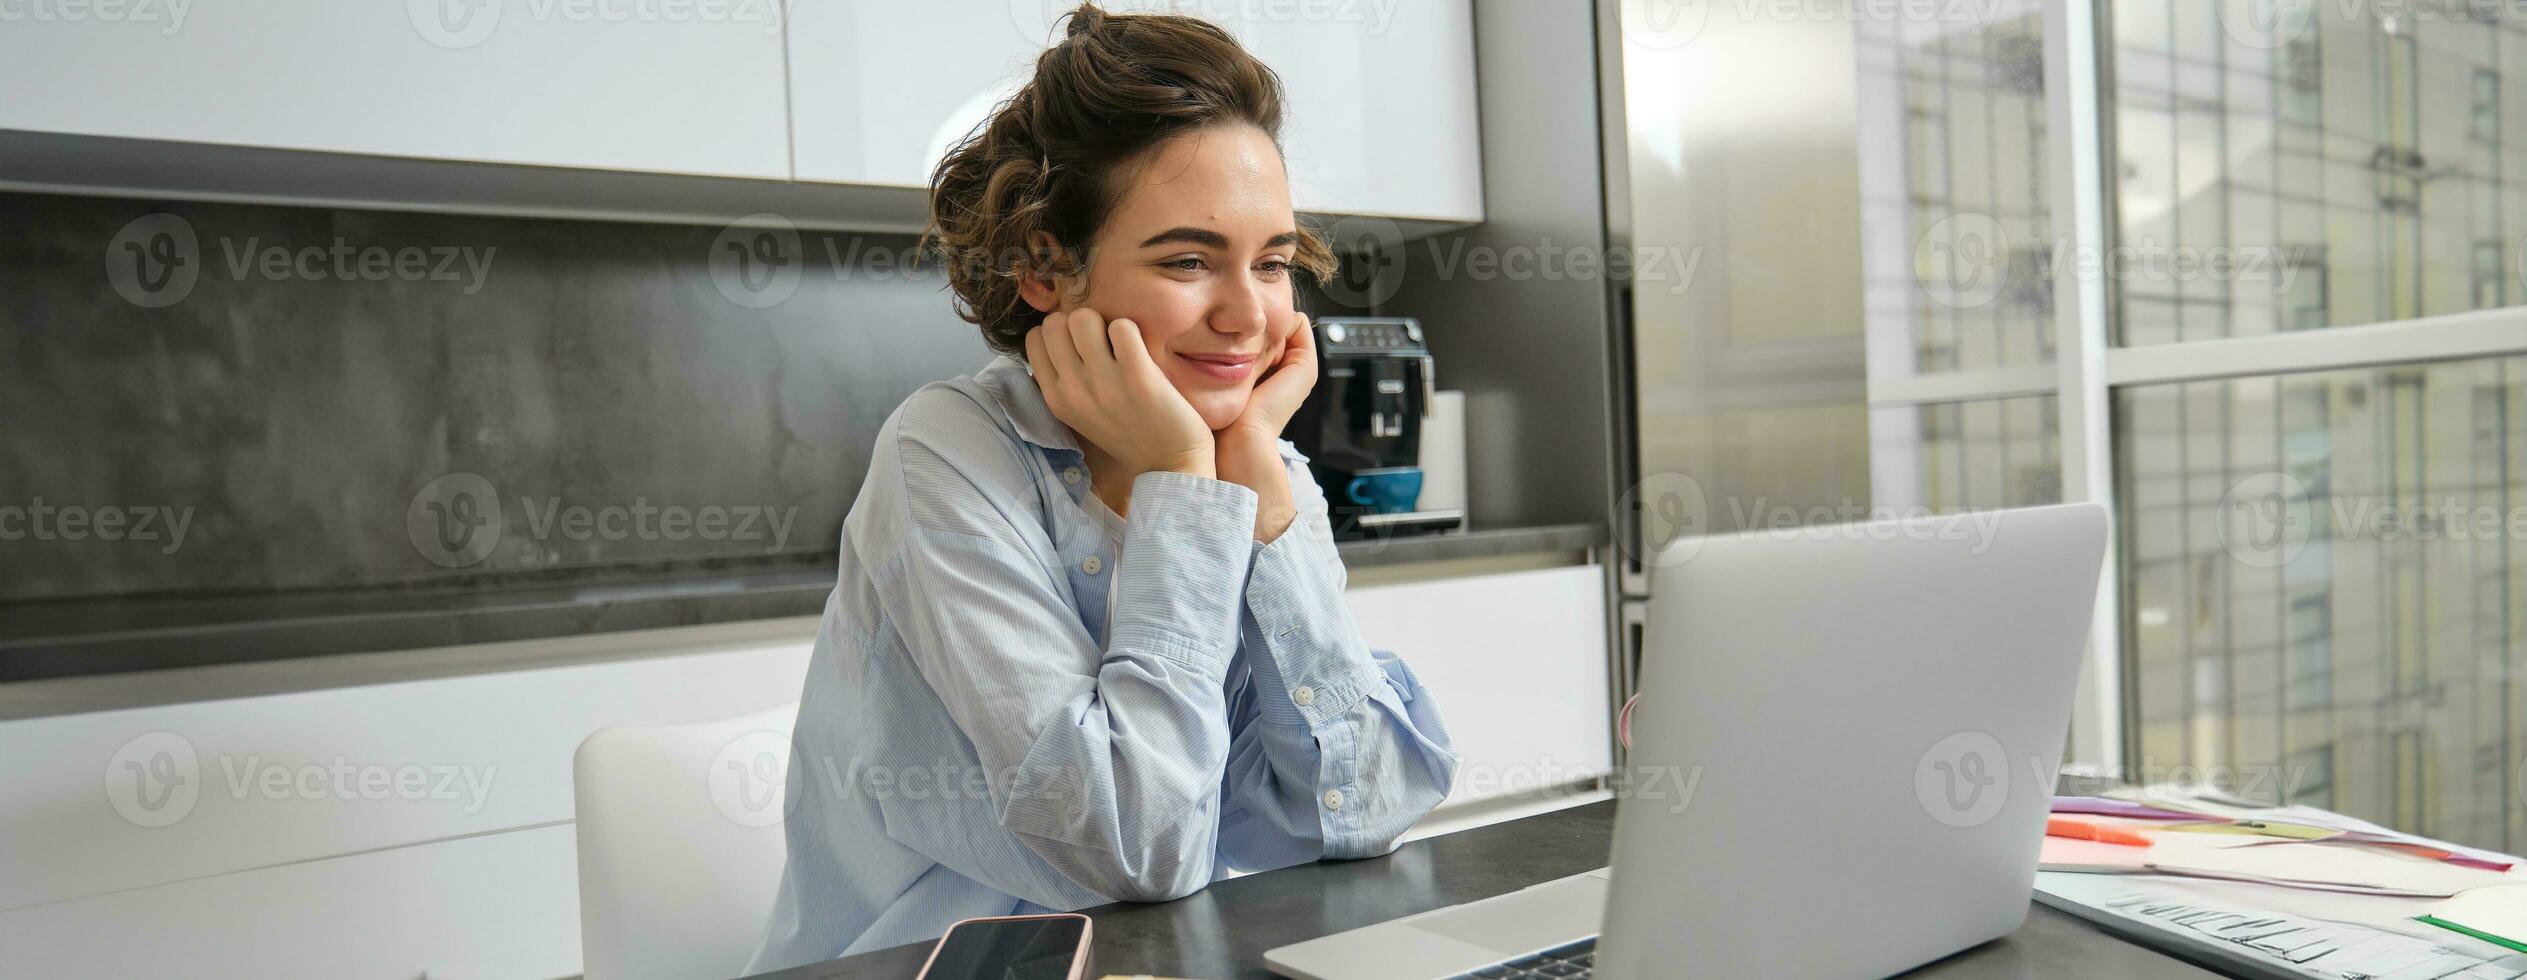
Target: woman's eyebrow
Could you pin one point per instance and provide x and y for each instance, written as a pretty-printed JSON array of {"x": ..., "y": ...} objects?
[{"x": 1189, "y": 235}]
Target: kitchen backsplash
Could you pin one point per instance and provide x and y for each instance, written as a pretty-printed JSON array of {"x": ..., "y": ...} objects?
[{"x": 222, "y": 398}]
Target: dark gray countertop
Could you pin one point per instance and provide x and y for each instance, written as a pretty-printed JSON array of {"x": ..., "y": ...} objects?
[
  {"x": 40, "y": 641},
  {"x": 1223, "y": 931}
]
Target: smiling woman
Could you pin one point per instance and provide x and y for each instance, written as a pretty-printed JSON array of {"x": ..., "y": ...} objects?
[{"x": 1089, "y": 598}]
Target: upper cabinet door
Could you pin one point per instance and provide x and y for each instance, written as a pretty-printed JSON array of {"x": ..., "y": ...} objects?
[
  {"x": 879, "y": 89},
  {"x": 1381, "y": 117},
  {"x": 1381, "y": 114},
  {"x": 692, "y": 88}
]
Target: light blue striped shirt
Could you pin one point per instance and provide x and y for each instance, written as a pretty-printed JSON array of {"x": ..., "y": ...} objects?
[{"x": 1011, "y": 709}]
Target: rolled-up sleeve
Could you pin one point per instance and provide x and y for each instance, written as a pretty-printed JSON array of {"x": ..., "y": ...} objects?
[
  {"x": 1105, "y": 762},
  {"x": 1337, "y": 749}
]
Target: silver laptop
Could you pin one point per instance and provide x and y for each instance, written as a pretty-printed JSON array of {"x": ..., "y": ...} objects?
[{"x": 1842, "y": 761}]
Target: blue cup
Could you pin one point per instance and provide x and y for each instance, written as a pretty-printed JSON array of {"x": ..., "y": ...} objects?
[{"x": 1392, "y": 490}]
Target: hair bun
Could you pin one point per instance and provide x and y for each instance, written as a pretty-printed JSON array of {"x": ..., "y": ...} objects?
[{"x": 1083, "y": 19}]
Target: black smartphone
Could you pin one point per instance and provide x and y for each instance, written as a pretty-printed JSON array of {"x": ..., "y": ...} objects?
[{"x": 1012, "y": 947}]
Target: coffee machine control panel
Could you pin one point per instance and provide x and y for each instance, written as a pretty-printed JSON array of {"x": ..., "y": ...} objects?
[{"x": 1378, "y": 334}]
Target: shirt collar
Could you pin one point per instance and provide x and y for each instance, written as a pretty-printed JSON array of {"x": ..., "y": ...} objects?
[{"x": 1013, "y": 386}]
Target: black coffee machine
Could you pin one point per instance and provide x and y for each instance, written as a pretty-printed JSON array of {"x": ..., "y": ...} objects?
[{"x": 1361, "y": 427}]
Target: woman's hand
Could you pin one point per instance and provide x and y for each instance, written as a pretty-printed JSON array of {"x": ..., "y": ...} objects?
[
  {"x": 1098, "y": 379},
  {"x": 1250, "y": 450},
  {"x": 1279, "y": 394}
]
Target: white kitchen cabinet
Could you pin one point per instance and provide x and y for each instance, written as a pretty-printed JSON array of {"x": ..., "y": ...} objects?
[
  {"x": 492, "y": 905},
  {"x": 1381, "y": 117},
  {"x": 878, "y": 91},
  {"x": 652, "y": 88},
  {"x": 1380, "y": 120},
  {"x": 1517, "y": 661},
  {"x": 147, "y": 796}
]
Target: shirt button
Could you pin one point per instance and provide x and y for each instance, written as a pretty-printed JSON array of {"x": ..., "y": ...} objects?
[
  {"x": 1070, "y": 475},
  {"x": 1303, "y": 696},
  {"x": 1333, "y": 799},
  {"x": 1092, "y": 564}
]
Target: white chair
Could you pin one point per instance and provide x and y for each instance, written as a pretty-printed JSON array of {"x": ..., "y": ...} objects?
[{"x": 680, "y": 846}]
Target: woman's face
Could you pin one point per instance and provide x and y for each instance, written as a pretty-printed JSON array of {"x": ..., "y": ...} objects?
[{"x": 1197, "y": 253}]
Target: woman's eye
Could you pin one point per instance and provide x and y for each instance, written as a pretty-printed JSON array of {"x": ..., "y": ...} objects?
[
  {"x": 1183, "y": 264},
  {"x": 1273, "y": 268}
]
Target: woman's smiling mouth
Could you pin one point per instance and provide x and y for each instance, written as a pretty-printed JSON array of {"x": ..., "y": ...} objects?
[{"x": 1221, "y": 367}]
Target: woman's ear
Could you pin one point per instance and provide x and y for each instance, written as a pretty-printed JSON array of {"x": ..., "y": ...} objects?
[{"x": 1036, "y": 285}]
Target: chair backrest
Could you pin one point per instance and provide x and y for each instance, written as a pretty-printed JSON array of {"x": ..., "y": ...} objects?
[{"x": 680, "y": 845}]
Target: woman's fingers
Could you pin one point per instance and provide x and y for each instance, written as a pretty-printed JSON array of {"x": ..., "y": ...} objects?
[
  {"x": 1037, "y": 357},
  {"x": 1058, "y": 349},
  {"x": 1088, "y": 337},
  {"x": 1302, "y": 342},
  {"x": 1131, "y": 354}
]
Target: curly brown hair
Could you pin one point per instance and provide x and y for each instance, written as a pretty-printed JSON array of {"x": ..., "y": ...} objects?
[{"x": 1057, "y": 155}]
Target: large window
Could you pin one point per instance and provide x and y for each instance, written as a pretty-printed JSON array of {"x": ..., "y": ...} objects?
[
  {"x": 2318, "y": 565},
  {"x": 2251, "y": 272}
]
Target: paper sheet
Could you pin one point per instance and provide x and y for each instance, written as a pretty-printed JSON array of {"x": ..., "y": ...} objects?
[{"x": 2307, "y": 945}]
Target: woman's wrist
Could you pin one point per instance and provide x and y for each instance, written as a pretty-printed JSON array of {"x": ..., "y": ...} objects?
[{"x": 1253, "y": 460}]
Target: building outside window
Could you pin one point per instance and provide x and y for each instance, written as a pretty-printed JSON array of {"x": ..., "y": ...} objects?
[{"x": 2288, "y": 348}]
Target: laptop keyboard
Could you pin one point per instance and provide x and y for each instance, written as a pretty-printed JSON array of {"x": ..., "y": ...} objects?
[{"x": 1571, "y": 961}]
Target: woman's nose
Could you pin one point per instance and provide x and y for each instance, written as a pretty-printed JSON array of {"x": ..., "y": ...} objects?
[{"x": 1240, "y": 309}]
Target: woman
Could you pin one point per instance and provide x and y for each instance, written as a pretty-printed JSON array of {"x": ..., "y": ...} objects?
[{"x": 1088, "y": 642}]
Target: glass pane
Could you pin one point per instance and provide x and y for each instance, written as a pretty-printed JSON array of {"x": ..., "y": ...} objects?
[
  {"x": 2301, "y": 164},
  {"x": 2324, "y": 593},
  {"x": 2003, "y": 452},
  {"x": 1956, "y": 214}
]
